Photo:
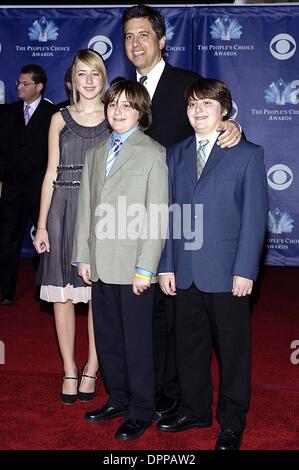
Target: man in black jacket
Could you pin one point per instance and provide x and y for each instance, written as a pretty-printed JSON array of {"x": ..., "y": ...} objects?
[
  {"x": 144, "y": 34},
  {"x": 24, "y": 160}
]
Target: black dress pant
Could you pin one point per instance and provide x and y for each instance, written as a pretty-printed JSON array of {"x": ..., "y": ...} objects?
[
  {"x": 17, "y": 207},
  {"x": 222, "y": 319},
  {"x": 123, "y": 335},
  {"x": 166, "y": 378}
]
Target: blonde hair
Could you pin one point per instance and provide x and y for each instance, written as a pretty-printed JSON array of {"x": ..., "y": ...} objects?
[{"x": 93, "y": 60}]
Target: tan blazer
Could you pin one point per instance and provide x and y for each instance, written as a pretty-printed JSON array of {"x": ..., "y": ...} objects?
[{"x": 138, "y": 176}]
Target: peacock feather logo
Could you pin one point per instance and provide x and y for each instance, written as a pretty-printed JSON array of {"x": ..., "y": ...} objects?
[
  {"x": 279, "y": 92},
  {"x": 169, "y": 30},
  {"x": 226, "y": 28},
  {"x": 43, "y": 30},
  {"x": 280, "y": 222}
]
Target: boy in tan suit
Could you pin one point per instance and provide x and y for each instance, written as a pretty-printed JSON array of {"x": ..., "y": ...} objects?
[{"x": 119, "y": 238}]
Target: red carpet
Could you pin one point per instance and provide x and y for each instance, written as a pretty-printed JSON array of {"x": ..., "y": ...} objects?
[{"x": 32, "y": 416}]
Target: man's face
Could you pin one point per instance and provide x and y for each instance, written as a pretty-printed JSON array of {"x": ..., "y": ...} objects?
[
  {"x": 28, "y": 90},
  {"x": 143, "y": 47}
]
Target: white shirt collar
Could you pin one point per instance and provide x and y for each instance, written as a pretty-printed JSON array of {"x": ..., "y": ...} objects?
[
  {"x": 212, "y": 139},
  {"x": 33, "y": 105},
  {"x": 153, "y": 77}
]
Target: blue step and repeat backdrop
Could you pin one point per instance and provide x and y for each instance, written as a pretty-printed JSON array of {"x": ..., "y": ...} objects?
[{"x": 253, "y": 48}]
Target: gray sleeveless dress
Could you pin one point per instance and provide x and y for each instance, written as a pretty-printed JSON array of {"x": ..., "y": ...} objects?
[{"x": 58, "y": 279}]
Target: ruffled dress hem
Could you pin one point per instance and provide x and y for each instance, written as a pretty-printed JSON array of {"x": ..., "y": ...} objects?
[{"x": 63, "y": 294}]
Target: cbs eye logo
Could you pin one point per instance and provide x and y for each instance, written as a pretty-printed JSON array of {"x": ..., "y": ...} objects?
[
  {"x": 283, "y": 46},
  {"x": 279, "y": 177},
  {"x": 102, "y": 45}
]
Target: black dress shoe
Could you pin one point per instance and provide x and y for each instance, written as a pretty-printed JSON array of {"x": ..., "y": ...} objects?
[
  {"x": 4, "y": 301},
  {"x": 103, "y": 414},
  {"x": 228, "y": 440},
  {"x": 131, "y": 428},
  {"x": 166, "y": 407},
  {"x": 177, "y": 423},
  {"x": 87, "y": 396},
  {"x": 66, "y": 398}
]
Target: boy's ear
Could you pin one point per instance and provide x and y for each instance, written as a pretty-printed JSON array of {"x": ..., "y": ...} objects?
[{"x": 224, "y": 112}]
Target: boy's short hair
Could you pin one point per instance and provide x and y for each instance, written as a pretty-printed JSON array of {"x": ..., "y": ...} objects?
[
  {"x": 138, "y": 97},
  {"x": 214, "y": 90}
]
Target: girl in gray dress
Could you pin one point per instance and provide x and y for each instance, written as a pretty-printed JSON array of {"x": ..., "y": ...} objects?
[{"x": 73, "y": 131}]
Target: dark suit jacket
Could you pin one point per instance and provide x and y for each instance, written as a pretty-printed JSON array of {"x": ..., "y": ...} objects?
[
  {"x": 170, "y": 124},
  {"x": 63, "y": 104},
  {"x": 3, "y": 136},
  {"x": 233, "y": 192},
  {"x": 26, "y": 148}
]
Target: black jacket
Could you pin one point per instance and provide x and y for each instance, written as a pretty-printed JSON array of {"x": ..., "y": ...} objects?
[
  {"x": 170, "y": 123},
  {"x": 25, "y": 150}
]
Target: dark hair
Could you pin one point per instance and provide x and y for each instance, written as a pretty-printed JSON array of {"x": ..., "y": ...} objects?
[
  {"x": 213, "y": 89},
  {"x": 144, "y": 11},
  {"x": 116, "y": 79},
  {"x": 38, "y": 74},
  {"x": 68, "y": 79},
  {"x": 138, "y": 97}
]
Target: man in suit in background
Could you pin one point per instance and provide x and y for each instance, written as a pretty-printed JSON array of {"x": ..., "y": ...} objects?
[
  {"x": 212, "y": 274},
  {"x": 3, "y": 108},
  {"x": 144, "y": 35},
  {"x": 25, "y": 157}
]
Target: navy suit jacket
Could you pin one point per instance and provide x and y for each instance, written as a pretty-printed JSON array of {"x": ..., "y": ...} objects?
[{"x": 233, "y": 192}]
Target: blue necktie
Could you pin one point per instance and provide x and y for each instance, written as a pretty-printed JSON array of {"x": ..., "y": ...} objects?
[
  {"x": 142, "y": 79},
  {"x": 113, "y": 152}
]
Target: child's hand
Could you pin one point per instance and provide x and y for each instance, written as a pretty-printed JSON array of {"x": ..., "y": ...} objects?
[
  {"x": 140, "y": 285},
  {"x": 41, "y": 241},
  {"x": 85, "y": 273},
  {"x": 242, "y": 286},
  {"x": 167, "y": 283}
]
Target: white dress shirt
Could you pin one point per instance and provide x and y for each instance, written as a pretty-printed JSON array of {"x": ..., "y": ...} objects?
[
  {"x": 153, "y": 77},
  {"x": 32, "y": 105}
]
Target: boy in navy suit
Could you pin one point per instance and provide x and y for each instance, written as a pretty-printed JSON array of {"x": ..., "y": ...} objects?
[{"x": 212, "y": 276}]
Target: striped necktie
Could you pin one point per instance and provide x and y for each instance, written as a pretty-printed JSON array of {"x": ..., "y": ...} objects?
[
  {"x": 201, "y": 157},
  {"x": 113, "y": 152},
  {"x": 26, "y": 114},
  {"x": 142, "y": 79}
]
